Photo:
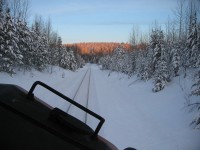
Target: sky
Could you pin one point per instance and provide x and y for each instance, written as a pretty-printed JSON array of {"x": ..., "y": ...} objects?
[{"x": 101, "y": 20}]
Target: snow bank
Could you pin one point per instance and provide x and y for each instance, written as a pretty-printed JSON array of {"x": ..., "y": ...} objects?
[{"x": 137, "y": 117}]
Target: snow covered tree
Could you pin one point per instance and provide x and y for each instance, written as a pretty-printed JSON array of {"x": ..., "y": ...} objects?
[
  {"x": 198, "y": 47},
  {"x": 161, "y": 75},
  {"x": 52, "y": 49},
  {"x": 196, "y": 86},
  {"x": 157, "y": 55},
  {"x": 113, "y": 60},
  {"x": 59, "y": 49},
  {"x": 153, "y": 54},
  {"x": 132, "y": 57},
  {"x": 148, "y": 72},
  {"x": 24, "y": 43},
  {"x": 148, "y": 64},
  {"x": 142, "y": 65},
  {"x": 105, "y": 61},
  {"x": 72, "y": 60},
  {"x": 196, "y": 92},
  {"x": 79, "y": 60},
  {"x": 145, "y": 74},
  {"x": 2, "y": 34},
  {"x": 64, "y": 57},
  {"x": 140, "y": 62},
  {"x": 55, "y": 49},
  {"x": 68, "y": 60},
  {"x": 175, "y": 59},
  {"x": 191, "y": 51},
  {"x": 127, "y": 65},
  {"x": 11, "y": 54},
  {"x": 39, "y": 46},
  {"x": 117, "y": 59}
]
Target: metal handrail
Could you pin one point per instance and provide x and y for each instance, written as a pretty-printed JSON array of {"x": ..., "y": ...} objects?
[{"x": 101, "y": 119}]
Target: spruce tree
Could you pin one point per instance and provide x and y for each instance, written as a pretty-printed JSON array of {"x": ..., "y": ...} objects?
[
  {"x": 196, "y": 85},
  {"x": 105, "y": 61},
  {"x": 52, "y": 48},
  {"x": 148, "y": 66},
  {"x": 191, "y": 50},
  {"x": 175, "y": 59},
  {"x": 127, "y": 67},
  {"x": 153, "y": 54},
  {"x": 157, "y": 50},
  {"x": 196, "y": 92},
  {"x": 64, "y": 58},
  {"x": 68, "y": 60},
  {"x": 2, "y": 34},
  {"x": 59, "y": 49},
  {"x": 71, "y": 60},
  {"x": 198, "y": 47},
  {"x": 24, "y": 43},
  {"x": 132, "y": 57},
  {"x": 161, "y": 75},
  {"x": 117, "y": 59},
  {"x": 39, "y": 47},
  {"x": 11, "y": 55},
  {"x": 140, "y": 63}
]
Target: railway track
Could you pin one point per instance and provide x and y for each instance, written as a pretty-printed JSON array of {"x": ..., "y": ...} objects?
[{"x": 82, "y": 96}]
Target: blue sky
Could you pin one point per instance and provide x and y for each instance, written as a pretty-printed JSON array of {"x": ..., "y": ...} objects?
[{"x": 101, "y": 20}]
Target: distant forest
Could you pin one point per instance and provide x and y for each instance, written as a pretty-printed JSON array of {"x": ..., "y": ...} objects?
[{"x": 97, "y": 47}]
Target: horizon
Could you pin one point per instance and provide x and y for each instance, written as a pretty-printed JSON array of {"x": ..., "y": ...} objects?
[{"x": 79, "y": 21}]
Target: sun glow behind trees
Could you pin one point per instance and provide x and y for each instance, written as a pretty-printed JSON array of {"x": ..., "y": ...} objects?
[{"x": 98, "y": 47}]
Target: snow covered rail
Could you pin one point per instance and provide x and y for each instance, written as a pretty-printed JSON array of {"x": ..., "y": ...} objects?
[
  {"x": 81, "y": 95},
  {"x": 70, "y": 105},
  {"x": 88, "y": 93}
]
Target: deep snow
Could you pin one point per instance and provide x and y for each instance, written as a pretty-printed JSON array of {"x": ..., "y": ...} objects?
[{"x": 135, "y": 116}]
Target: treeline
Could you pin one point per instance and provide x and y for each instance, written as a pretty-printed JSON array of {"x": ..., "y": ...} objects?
[
  {"x": 97, "y": 47},
  {"x": 92, "y": 51},
  {"x": 37, "y": 46},
  {"x": 169, "y": 53}
]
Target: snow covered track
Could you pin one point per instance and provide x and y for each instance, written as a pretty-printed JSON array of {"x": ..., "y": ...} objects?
[
  {"x": 81, "y": 95},
  {"x": 135, "y": 116}
]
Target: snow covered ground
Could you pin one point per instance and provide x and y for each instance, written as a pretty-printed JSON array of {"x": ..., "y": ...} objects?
[{"x": 135, "y": 116}]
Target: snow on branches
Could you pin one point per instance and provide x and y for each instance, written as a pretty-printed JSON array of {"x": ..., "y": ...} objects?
[{"x": 25, "y": 47}]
